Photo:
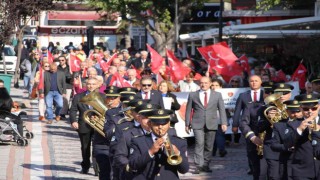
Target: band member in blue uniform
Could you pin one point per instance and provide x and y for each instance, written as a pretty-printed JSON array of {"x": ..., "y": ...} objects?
[
  {"x": 101, "y": 144},
  {"x": 158, "y": 155},
  {"x": 280, "y": 133},
  {"x": 282, "y": 93},
  {"x": 140, "y": 112},
  {"x": 304, "y": 164}
]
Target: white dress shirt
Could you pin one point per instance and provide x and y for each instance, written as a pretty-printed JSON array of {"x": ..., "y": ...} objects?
[
  {"x": 201, "y": 95},
  {"x": 258, "y": 94}
]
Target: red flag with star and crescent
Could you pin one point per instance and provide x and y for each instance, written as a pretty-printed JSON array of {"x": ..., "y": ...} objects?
[
  {"x": 177, "y": 69},
  {"x": 300, "y": 75},
  {"x": 244, "y": 63},
  {"x": 221, "y": 58},
  {"x": 156, "y": 60}
]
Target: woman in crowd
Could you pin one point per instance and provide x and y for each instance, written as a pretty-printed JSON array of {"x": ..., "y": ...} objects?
[
  {"x": 235, "y": 82},
  {"x": 166, "y": 88},
  {"x": 42, "y": 106},
  {"x": 188, "y": 85},
  {"x": 219, "y": 143}
]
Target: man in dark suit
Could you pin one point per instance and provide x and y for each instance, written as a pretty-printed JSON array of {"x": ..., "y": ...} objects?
[
  {"x": 142, "y": 62},
  {"x": 147, "y": 92},
  {"x": 245, "y": 98},
  {"x": 148, "y": 156},
  {"x": 205, "y": 104},
  {"x": 84, "y": 130},
  {"x": 54, "y": 90}
]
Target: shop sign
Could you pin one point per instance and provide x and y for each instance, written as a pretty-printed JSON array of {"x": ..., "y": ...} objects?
[{"x": 74, "y": 31}]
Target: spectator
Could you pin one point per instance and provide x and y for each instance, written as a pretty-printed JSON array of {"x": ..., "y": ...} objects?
[
  {"x": 64, "y": 67},
  {"x": 51, "y": 47},
  {"x": 41, "y": 105},
  {"x": 26, "y": 68},
  {"x": 142, "y": 62},
  {"x": 188, "y": 85},
  {"x": 220, "y": 140},
  {"x": 132, "y": 76},
  {"x": 54, "y": 90},
  {"x": 166, "y": 88}
]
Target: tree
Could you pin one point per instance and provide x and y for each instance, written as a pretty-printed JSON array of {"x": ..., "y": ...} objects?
[
  {"x": 158, "y": 16},
  {"x": 284, "y": 4},
  {"x": 15, "y": 18}
]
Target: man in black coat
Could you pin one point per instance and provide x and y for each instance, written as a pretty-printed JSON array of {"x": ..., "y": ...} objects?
[
  {"x": 280, "y": 134},
  {"x": 305, "y": 164},
  {"x": 147, "y": 92},
  {"x": 84, "y": 130},
  {"x": 142, "y": 62},
  {"x": 148, "y": 155},
  {"x": 54, "y": 90}
]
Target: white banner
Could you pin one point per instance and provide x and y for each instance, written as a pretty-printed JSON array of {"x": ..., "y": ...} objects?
[{"x": 229, "y": 96}]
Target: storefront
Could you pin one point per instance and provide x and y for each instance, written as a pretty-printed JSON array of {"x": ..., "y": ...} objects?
[{"x": 71, "y": 26}]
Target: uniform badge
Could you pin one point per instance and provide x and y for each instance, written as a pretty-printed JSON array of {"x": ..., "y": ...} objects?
[
  {"x": 286, "y": 131},
  {"x": 113, "y": 138},
  {"x": 160, "y": 112},
  {"x": 131, "y": 97},
  {"x": 131, "y": 150},
  {"x": 140, "y": 102},
  {"x": 314, "y": 142}
]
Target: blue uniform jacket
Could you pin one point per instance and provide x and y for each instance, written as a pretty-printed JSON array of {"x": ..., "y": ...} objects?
[{"x": 156, "y": 167}]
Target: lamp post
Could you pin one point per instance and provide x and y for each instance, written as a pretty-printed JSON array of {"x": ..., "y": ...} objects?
[
  {"x": 176, "y": 25},
  {"x": 220, "y": 20}
]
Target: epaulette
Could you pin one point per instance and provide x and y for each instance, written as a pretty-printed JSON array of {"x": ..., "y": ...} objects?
[
  {"x": 126, "y": 128},
  {"x": 138, "y": 136},
  {"x": 122, "y": 120}
]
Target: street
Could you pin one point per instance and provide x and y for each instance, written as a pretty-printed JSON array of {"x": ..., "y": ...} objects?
[{"x": 54, "y": 153}]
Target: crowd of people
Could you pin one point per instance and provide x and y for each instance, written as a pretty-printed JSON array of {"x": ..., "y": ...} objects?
[{"x": 137, "y": 138}]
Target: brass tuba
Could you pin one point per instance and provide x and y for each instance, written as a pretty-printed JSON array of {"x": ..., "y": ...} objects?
[
  {"x": 173, "y": 159},
  {"x": 99, "y": 109},
  {"x": 279, "y": 106}
]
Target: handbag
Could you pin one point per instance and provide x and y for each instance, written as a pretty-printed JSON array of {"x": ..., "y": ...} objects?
[{"x": 33, "y": 93}]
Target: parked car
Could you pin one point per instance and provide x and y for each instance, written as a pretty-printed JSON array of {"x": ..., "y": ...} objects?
[{"x": 10, "y": 58}]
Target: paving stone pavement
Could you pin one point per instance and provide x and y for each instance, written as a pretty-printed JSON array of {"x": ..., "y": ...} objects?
[{"x": 54, "y": 153}]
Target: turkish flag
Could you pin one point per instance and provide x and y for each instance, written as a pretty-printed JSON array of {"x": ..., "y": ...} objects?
[
  {"x": 267, "y": 66},
  {"x": 177, "y": 68},
  {"x": 119, "y": 81},
  {"x": 41, "y": 80},
  {"x": 105, "y": 65},
  {"x": 74, "y": 63},
  {"x": 300, "y": 75},
  {"x": 244, "y": 63},
  {"x": 50, "y": 57},
  {"x": 281, "y": 76},
  {"x": 156, "y": 60}
]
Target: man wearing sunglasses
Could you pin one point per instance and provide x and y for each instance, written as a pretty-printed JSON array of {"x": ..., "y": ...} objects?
[
  {"x": 301, "y": 137},
  {"x": 64, "y": 67},
  {"x": 280, "y": 134},
  {"x": 147, "y": 92}
]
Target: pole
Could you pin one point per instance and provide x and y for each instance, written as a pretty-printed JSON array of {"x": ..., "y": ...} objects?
[
  {"x": 220, "y": 20},
  {"x": 176, "y": 25}
]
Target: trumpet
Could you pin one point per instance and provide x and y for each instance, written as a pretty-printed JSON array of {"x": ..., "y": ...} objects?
[
  {"x": 260, "y": 147},
  {"x": 314, "y": 126},
  {"x": 173, "y": 159}
]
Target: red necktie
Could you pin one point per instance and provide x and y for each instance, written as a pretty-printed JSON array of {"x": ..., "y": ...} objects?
[
  {"x": 255, "y": 96},
  {"x": 146, "y": 95},
  {"x": 205, "y": 99}
]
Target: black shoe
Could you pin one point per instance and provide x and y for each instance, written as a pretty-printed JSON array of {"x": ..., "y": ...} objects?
[
  {"x": 84, "y": 171},
  {"x": 63, "y": 117},
  {"x": 197, "y": 170},
  {"x": 206, "y": 169},
  {"x": 249, "y": 171},
  {"x": 223, "y": 153}
]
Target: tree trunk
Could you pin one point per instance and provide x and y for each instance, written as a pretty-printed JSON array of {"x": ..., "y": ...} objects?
[{"x": 127, "y": 40}]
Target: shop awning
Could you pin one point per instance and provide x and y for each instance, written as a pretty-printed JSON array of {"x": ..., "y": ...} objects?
[{"x": 74, "y": 15}]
